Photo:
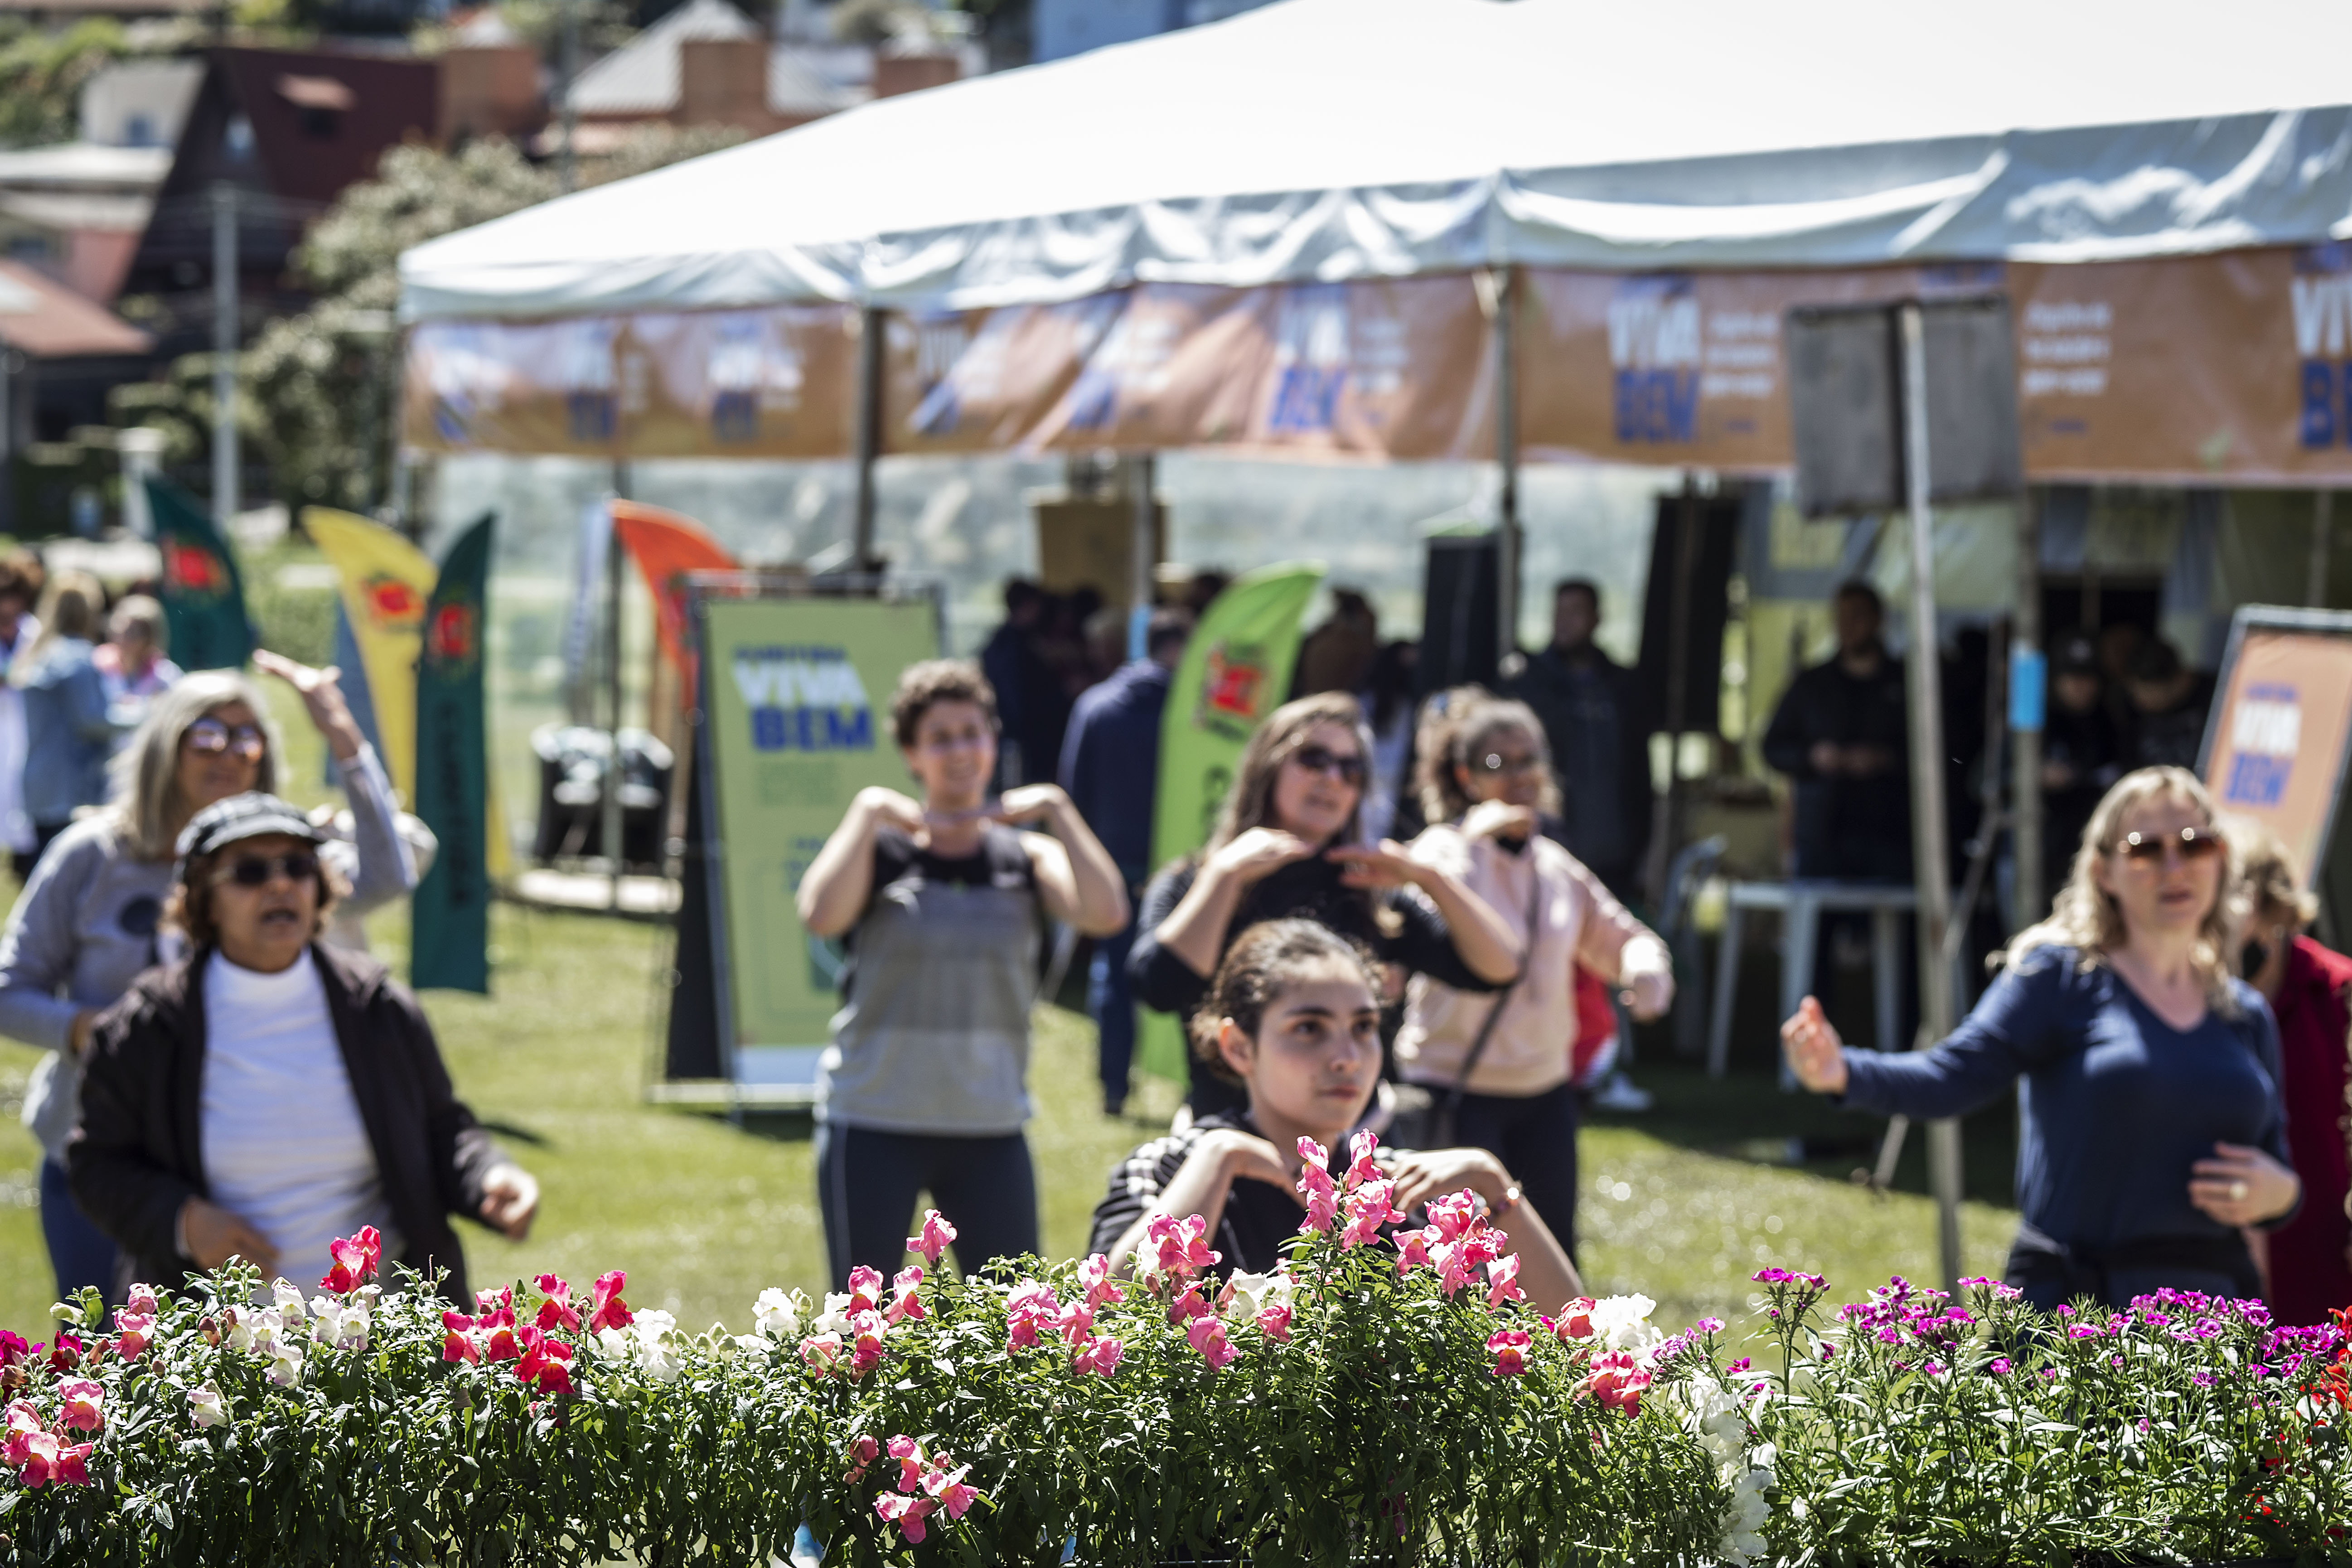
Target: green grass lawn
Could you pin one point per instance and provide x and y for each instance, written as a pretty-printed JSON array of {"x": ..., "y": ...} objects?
[{"x": 1682, "y": 1203}]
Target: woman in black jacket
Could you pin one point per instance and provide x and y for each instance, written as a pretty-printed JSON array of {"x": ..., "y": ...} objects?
[
  {"x": 1284, "y": 847},
  {"x": 269, "y": 1092}
]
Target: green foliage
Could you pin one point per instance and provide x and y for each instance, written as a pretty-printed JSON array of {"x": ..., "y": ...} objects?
[
  {"x": 297, "y": 620},
  {"x": 42, "y": 73}
]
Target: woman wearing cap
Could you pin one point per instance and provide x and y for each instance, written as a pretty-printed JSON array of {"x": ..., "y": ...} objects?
[
  {"x": 2152, "y": 1125},
  {"x": 88, "y": 920},
  {"x": 268, "y": 1092}
]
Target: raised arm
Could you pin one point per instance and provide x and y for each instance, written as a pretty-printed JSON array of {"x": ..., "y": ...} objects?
[
  {"x": 834, "y": 888},
  {"x": 1076, "y": 879},
  {"x": 1479, "y": 934},
  {"x": 1195, "y": 931}
]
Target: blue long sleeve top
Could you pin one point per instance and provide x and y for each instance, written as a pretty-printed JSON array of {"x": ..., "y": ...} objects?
[{"x": 2117, "y": 1104}]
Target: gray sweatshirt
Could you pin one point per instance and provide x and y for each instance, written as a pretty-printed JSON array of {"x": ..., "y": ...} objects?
[{"x": 86, "y": 925}]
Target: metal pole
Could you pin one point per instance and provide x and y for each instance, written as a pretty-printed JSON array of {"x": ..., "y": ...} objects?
[
  {"x": 1143, "y": 548},
  {"x": 1932, "y": 866},
  {"x": 873, "y": 327},
  {"x": 567, "y": 72},
  {"x": 610, "y": 826},
  {"x": 1508, "y": 541},
  {"x": 2029, "y": 679},
  {"x": 225, "y": 336},
  {"x": 2315, "y": 592},
  {"x": 1666, "y": 811}
]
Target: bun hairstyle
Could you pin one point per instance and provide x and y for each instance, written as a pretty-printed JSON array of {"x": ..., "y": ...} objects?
[
  {"x": 1453, "y": 727},
  {"x": 1266, "y": 961}
]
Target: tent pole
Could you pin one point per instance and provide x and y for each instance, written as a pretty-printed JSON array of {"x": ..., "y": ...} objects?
[
  {"x": 2316, "y": 594},
  {"x": 1667, "y": 809},
  {"x": 609, "y": 826},
  {"x": 1929, "y": 852},
  {"x": 2029, "y": 676},
  {"x": 872, "y": 330},
  {"x": 1143, "y": 553},
  {"x": 1508, "y": 540}
]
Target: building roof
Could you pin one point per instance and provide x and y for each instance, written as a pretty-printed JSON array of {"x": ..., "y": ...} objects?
[
  {"x": 84, "y": 164},
  {"x": 641, "y": 80},
  {"x": 48, "y": 321},
  {"x": 79, "y": 209}
]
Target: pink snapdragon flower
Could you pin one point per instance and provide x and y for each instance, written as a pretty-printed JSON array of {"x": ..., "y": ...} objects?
[
  {"x": 457, "y": 1342},
  {"x": 1503, "y": 1281},
  {"x": 867, "y": 1331},
  {"x": 1098, "y": 1354},
  {"x": 42, "y": 1458},
  {"x": 1029, "y": 1308},
  {"x": 141, "y": 1300},
  {"x": 85, "y": 1405},
  {"x": 822, "y": 1351},
  {"x": 1452, "y": 1215},
  {"x": 609, "y": 1310},
  {"x": 1074, "y": 1323},
  {"x": 907, "y": 1513},
  {"x": 1361, "y": 1165},
  {"x": 947, "y": 1489},
  {"x": 1178, "y": 1248},
  {"x": 862, "y": 1453},
  {"x": 1207, "y": 1335},
  {"x": 1274, "y": 1322},
  {"x": 557, "y": 1311},
  {"x": 1189, "y": 1306},
  {"x": 933, "y": 1239},
  {"x": 1412, "y": 1250},
  {"x": 1093, "y": 1275},
  {"x": 1618, "y": 1380},
  {"x": 1315, "y": 1185},
  {"x": 905, "y": 1304},
  {"x": 23, "y": 1421},
  {"x": 1509, "y": 1349},
  {"x": 1575, "y": 1319},
  {"x": 138, "y": 1331},
  {"x": 1369, "y": 1212},
  {"x": 356, "y": 1256},
  {"x": 865, "y": 1289},
  {"x": 909, "y": 1455}
]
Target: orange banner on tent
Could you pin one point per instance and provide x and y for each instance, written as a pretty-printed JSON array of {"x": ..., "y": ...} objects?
[{"x": 665, "y": 544}]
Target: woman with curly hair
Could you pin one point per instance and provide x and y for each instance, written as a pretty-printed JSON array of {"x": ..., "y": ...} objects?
[{"x": 2153, "y": 1130}]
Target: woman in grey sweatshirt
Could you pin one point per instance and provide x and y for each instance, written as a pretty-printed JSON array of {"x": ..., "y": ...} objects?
[{"x": 87, "y": 922}]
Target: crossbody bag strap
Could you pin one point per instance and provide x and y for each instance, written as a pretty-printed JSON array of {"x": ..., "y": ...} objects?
[{"x": 1461, "y": 1084}]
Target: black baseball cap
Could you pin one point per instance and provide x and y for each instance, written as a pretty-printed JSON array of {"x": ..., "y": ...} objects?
[
  {"x": 2076, "y": 654},
  {"x": 253, "y": 814}
]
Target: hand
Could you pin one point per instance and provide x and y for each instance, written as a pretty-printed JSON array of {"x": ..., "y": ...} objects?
[
  {"x": 1866, "y": 761},
  {"x": 1815, "y": 1053},
  {"x": 2239, "y": 1186},
  {"x": 1250, "y": 1158},
  {"x": 1260, "y": 852},
  {"x": 1029, "y": 802},
  {"x": 1428, "y": 1174},
  {"x": 321, "y": 691},
  {"x": 1381, "y": 866},
  {"x": 215, "y": 1236},
  {"x": 888, "y": 808},
  {"x": 1647, "y": 992},
  {"x": 78, "y": 1033},
  {"x": 1499, "y": 819},
  {"x": 1827, "y": 757},
  {"x": 509, "y": 1200}
]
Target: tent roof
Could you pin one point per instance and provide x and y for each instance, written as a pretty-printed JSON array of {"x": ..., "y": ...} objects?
[{"x": 1327, "y": 138}]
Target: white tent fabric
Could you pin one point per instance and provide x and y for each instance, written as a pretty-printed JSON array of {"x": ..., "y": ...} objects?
[{"x": 1338, "y": 139}]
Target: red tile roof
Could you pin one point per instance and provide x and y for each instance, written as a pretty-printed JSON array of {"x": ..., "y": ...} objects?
[{"x": 48, "y": 321}]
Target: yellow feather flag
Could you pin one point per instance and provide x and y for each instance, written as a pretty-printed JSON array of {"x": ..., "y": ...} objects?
[{"x": 386, "y": 581}]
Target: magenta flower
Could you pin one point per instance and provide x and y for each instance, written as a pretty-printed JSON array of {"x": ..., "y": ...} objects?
[
  {"x": 1029, "y": 1308},
  {"x": 1181, "y": 1248},
  {"x": 868, "y": 1330},
  {"x": 1575, "y": 1319},
  {"x": 905, "y": 1304},
  {"x": 1315, "y": 1185},
  {"x": 1361, "y": 1166},
  {"x": 1274, "y": 1322},
  {"x": 1074, "y": 1323},
  {"x": 356, "y": 1256},
  {"x": 947, "y": 1488},
  {"x": 909, "y": 1455},
  {"x": 865, "y": 1289},
  {"x": 1509, "y": 1349},
  {"x": 141, "y": 1300},
  {"x": 1093, "y": 1275},
  {"x": 85, "y": 1404},
  {"x": 1369, "y": 1213},
  {"x": 907, "y": 1512},
  {"x": 1999, "y": 1366},
  {"x": 1618, "y": 1381},
  {"x": 933, "y": 1239},
  {"x": 1100, "y": 1354},
  {"x": 862, "y": 1453},
  {"x": 1452, "y": 1216},
  {"x": 822, "y": 1351},
  {"x": 609, "y": 1310},
  {"x": 557, "y": 1311},
  {"x": 1207, "y": 1335},
  {"x": 1413, "y": 1249},
  {"x": 138, "y": 1331},
  {"x": 1736, "y": 1368},
  {"x": 1503, "y": 1282}
]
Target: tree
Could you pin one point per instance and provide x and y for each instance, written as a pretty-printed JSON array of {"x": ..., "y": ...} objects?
[{"x": 42, "y": 73}]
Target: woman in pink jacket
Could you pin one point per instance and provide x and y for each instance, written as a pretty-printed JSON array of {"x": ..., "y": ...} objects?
[{"x": 1498, "y": 1065}]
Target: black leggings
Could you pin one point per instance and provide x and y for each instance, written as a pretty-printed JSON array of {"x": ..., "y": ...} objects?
[
  {"x": 1535, "y": 1137},
  {"x": 867, "y": 1182}
]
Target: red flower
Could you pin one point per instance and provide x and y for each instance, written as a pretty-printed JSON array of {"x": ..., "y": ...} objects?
[
  {"x": 1509, "y": 1349},
  {"x": 611, "y": 1311},
  {"x": 1618, "y": 1381},
  {"x": 66, "y": 1354},
  {"x": 356, "y": 1257},
  {"x": 1575, "y": 1319},
  {"x": 544, "y": 1363},
  {"x": 457, "y": 1344}
]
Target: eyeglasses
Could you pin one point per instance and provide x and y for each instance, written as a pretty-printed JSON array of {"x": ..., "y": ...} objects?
[
  {"x": 256, "y": 870},
  {"x": 209, "y": 737},
  {"x": 2193, "y": 843},
  {"x": 1347, "y": 768},
  {"x": 1496, "y": 763}
]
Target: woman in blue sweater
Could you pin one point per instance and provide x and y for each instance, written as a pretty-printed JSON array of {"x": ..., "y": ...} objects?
[{"x": 2153, "y": 1130}]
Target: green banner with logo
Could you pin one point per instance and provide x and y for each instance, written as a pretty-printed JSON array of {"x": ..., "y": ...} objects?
[
  {"x": 203, "y": 593},
  {"x": 449, "y": 943},
  {"x": 796, "y": 698},
  {"x": 1235, "y": 671}
]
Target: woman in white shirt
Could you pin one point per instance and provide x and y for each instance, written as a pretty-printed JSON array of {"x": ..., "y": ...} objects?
[{"x": 1486, "y": 789}]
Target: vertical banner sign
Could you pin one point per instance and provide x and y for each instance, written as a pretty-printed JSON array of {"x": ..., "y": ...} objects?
[
  {"x": 795, "y": 704},
  {"x": 202, "y": 594},
  {"x": 2275, "y": 748},
  {"x": 1234, "y": 672},
  {"x": 665, "y": 544},
  {"x": 385, "y": 583},
  {"x": 449, "y": 943}
]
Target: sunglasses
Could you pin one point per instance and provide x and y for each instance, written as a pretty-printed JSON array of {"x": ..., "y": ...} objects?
[
  {"x": 2194, "y": 843},
  {"x": 1348, "y": 769},
  {"x": 1496, "y": 763},
  {"x": 210, "y": 737},
  {"x": 256, "y": 870}
]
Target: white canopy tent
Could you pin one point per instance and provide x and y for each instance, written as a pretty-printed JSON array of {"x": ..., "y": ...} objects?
[{"x": 1337, "y": 138}]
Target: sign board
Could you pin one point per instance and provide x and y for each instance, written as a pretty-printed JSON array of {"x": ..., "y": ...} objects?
[
  {"x": 2275, "y": 744},
  {"x": 795, "y": 695}
]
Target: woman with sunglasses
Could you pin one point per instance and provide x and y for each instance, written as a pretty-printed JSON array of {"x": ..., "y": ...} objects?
[
  {"x": 1486, "y": 785},
  {"x": 88, "y": 919},
  {"x": 2153, "y": 1130},
  {"x": 1284, "y": 847},
  {"x": 267, "y": 1093}
]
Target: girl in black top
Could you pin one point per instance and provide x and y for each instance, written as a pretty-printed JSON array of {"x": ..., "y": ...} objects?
[
  {"x": 1292, "y": 1023},
  {"x": 1285, "y": 847}
]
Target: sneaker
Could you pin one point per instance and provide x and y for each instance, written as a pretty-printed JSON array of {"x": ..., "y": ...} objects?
[
  {"x": 1621, "y": 1094},
  {"x": 1114, "y": 1104}
]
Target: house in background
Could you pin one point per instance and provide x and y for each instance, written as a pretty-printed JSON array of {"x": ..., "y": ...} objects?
[
  {"x": 74, "y": 212},
  {"x": 59, "y": 355},
  {"x": 1060, "y": 28},
  {"x": 705, "y": 63}
]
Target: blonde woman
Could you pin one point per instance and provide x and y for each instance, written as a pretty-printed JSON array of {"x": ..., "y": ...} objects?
[
  {"x": 88, "y": 920},
  {"x": 2153, "y": 1128},
  {"x": 1486, "y": 787},
  {"x": 1286, "y": 846}
]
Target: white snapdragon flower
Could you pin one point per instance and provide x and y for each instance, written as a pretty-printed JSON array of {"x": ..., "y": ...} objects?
[
  {"x": 653, "y": 1349},
  {"x": 289, "y": 1300},
  {"x": 756, "y": 1346},
  {"x": 205, "y": 1405},
  {"x": 835, "y": 1320},
  {"x": 1250, "y": 1294},
  {"x": 343, "y": 1324},
  {"x": 1623, "y": 1323},
  {"x": 777, "y": 1316},
  {"x": 286, "y": 1365},
  {"x": 1742, "y": 1540}
]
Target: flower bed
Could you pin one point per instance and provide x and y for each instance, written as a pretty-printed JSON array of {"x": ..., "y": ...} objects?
[{"x": 1369, "y": 1402}]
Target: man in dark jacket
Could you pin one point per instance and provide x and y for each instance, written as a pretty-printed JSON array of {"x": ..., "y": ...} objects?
[
  {"x": 1841, "y": 736},
  {"x": 310, "y": 1100},
  {"x": 1599, "y": 746},
  {"x": 1110, "y": 770}
]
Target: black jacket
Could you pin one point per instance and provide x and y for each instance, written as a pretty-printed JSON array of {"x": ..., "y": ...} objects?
[
  {"x": 136, "y": 1155},
  {"x": 1846, "y": 827},
  {"x": 1612, "y": 849}
]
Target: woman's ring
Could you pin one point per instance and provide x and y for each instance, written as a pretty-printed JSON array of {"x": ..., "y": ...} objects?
[{"x": 2237, "y": 1192}]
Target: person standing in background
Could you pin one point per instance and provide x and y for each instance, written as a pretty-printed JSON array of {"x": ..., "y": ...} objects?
[
  {"x": 1029, "y": 702},
  {"x": 1592, "y": 727},
  {"x": 130, "y": 663},
  {"x": 2081, "y": 755},
  {"x": 1338, "y": 654},
  {"x": 1110, "y": 771},
  {"x": 1388, "y": 704},
  {"x": 2169, "y": 703},
  {"x": 68, "y": 733},
  {"x": 20, "y": 586},
  {"x": 1839, "y": 735},
  {"x": 2309, "y": 1263}
]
